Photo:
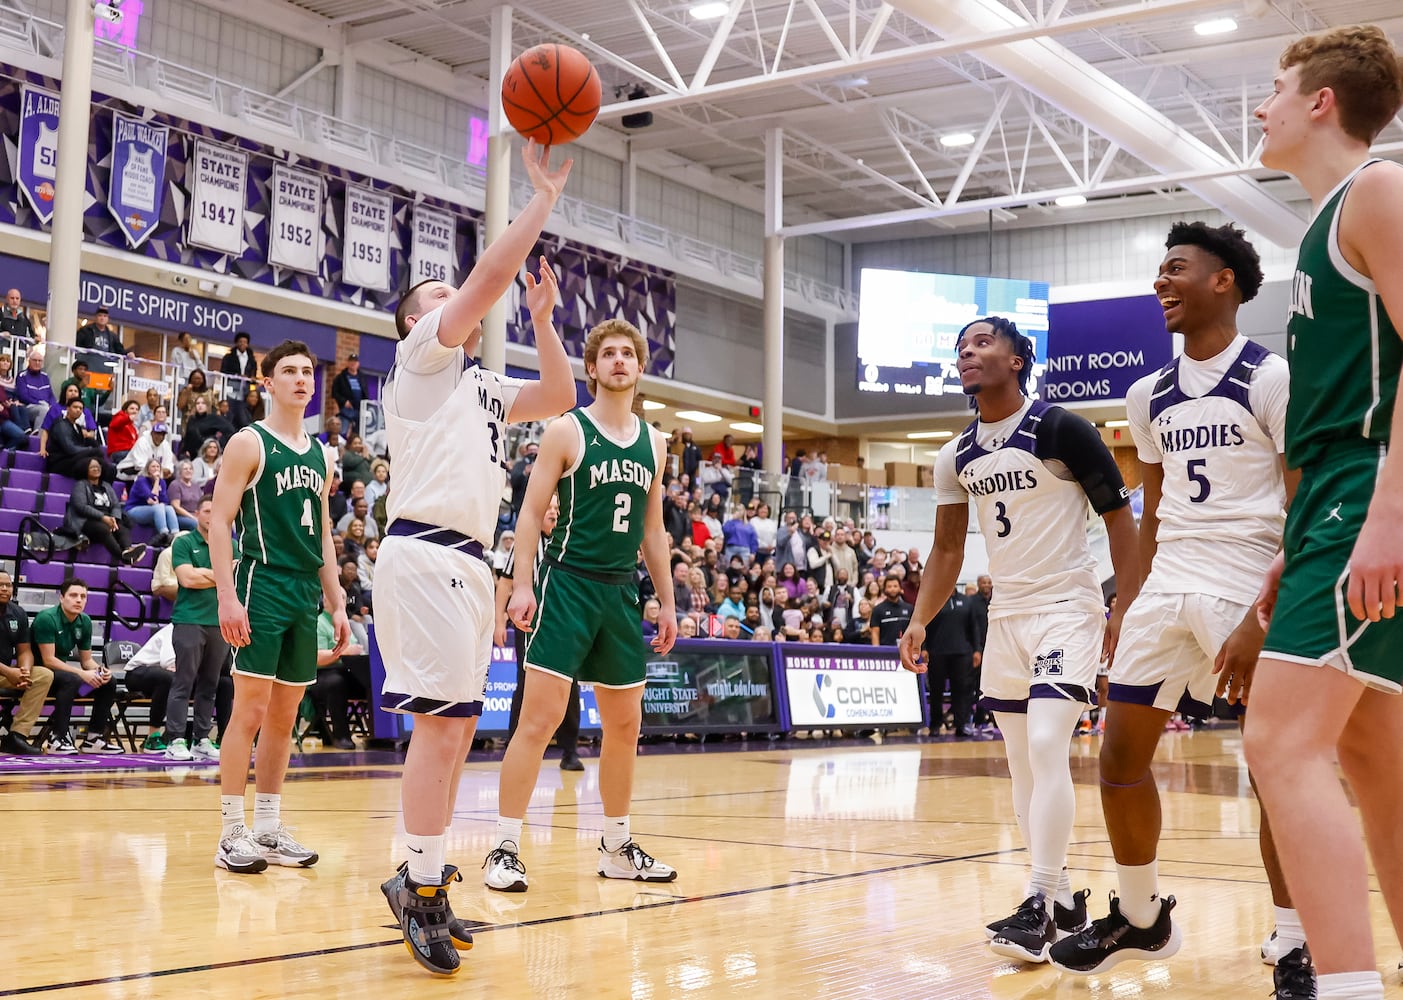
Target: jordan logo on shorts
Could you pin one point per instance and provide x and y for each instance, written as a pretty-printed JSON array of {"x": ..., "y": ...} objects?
[
  {"x": 1334, "y": 514},
  {"x": 1049, "y": 665}
]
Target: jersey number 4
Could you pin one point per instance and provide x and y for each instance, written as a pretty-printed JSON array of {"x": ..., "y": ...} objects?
[
  {"x": 307, "y": 517},
  {"x": 623, "y": 505}
]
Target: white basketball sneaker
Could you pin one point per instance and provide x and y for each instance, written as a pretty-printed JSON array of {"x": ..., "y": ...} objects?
[
  {"x": 632, "y": 862},
  {"x": 503, "y": 869}
]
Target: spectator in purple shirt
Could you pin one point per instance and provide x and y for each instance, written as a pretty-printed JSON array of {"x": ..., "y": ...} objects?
[
  {"x": 185, "y": 495},
  {"x": 35, "y": 393},
  {"x": 148, "y": 503},
  {"x": 740, "y": 536}
]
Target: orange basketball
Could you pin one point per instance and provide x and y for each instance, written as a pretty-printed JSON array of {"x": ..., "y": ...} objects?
[{"x": 551, "y": 94}]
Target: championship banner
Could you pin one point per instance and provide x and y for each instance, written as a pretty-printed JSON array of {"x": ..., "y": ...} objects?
[
  {"x": 432, "y": 255},
  {"x": 137, "y": 187},
  {"x": 712, "y": 685},
  {"x": 833, "y": 686},
  {"x": 38, "y": 149},
  {"x": 366, "y": 256},
  {"x": 219, "y": 175},
  {"x": 294, "y": 239}
]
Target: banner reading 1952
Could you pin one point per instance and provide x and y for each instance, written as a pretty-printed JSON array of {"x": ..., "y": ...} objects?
[
  {"x": 295, "y": 229},
  {"x": 366, "y": 255},
  {"x": 218, "y": 177}
]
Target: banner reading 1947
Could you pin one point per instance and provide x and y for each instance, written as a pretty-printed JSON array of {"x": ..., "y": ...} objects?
[
  {"x": 366, "y": 256},
  {"x": 218, "y": 177},
  {"x": 294, "y": 232},
  {"x": 137, "y": 187}
]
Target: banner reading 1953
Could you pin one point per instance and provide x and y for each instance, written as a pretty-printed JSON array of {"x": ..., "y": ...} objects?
[
  {"x": 294, "y": 231},
  {"x": 217, "y": 182},
  {"x": 366, "y": 255}
]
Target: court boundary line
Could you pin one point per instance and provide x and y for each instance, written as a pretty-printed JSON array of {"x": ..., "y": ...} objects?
[{"x": 484, "y": 928}]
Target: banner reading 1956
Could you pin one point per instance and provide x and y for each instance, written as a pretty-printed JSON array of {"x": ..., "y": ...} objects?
[
  {"x": 218, "y": 177},
  {"x": 295, "y": 229},
  {"x": 366, "y": 255},
  {"x": 432, "y": 255}
]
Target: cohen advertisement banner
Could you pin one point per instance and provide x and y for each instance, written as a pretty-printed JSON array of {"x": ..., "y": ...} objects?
[
  {"x": 711, "y": 686},
  {"x": 1097, "y": 350},
  {"x": 832, "y": 686}
]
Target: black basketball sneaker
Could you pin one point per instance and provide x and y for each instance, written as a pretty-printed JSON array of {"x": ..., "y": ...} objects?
[
  {"x": 1069, "y": 919},
  {"x": 1114, "y": 939},
  {"x": 1028, "y": 934}
]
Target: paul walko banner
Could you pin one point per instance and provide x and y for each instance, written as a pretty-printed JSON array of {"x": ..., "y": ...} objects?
[
  {"x": 218, "y": 179},
  {"x": 366, "y": 256},
  {"x": 136, "y": 190},
  {"x": 294, "y": 232},
  {"x": 38, "y": 149},
  {"x": 433, "y": 253}
]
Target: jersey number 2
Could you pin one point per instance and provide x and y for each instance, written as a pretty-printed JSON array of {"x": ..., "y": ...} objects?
[
  {"x": 623, "y": 504},
  {"x": 307, "y": 517}
]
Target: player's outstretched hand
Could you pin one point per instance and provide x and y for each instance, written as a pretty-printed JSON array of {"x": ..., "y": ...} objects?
[
  {"x": 536, "y": 158},
  {"x": 233, "y": 621},
  {"x": 341, "y": 627},
  {"x": 1266, "y": 597},
  {"x": 1376, "y": 569},
  {"x": 912, "y": 656},
  {"x": 667, "y": 633},
  {"x": 542, "y": 293},
  {"x": 1237, "y": 660},
  {"x": 521, "y": 609}
]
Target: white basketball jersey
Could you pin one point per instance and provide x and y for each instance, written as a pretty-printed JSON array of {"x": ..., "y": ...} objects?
[
  {"x": 1217, "y": 428},
  {"x": 1031, "y": 511},
  {"x": 446, "y": 421},
  {"x": 139, "y": 180},
  {"x": 46, "y": 153}
]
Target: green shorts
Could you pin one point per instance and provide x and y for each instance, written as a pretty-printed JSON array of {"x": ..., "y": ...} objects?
[
  {"x": 1312, "y": 623},
  {"x": 282, "y": 617},
  {"x": 586, "y": 630}
]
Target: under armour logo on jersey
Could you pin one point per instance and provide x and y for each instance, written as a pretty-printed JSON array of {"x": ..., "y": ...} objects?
[
  {"x": 1334, "y": 514},
  {"x": 1049, "y": 665},
  {"x": 455, "y": 583},
  {"x": 1165, "y": 419}
]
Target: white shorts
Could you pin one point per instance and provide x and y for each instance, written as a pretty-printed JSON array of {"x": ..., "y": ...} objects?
[
  {"x": 434, "y": 617},
  {"x": 1166, "y": 651},
  {"x": 1051, "y": 655}
]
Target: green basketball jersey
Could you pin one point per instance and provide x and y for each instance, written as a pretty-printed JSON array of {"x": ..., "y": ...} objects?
[
  {"x": 280, "y": 517},
  {"x": 1344, "y": 352},
  {"x": 603, "y": 500}
]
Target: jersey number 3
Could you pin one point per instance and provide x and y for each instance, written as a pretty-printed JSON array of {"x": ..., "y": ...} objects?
[
  {"x": 1001, "y": 516},
  {"x": 623, "y": 504}
]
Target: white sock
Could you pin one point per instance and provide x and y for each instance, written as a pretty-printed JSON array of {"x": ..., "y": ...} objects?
[
  {"x": 1064, "y": 891},
  {"x": 1350, "y": 986},
  {"x": 615, "y": 832},
  {"x": 267, "y": 810},
  {"x": 425, "y": 858},
  {"x": 508, "y": 832},
  {"x": 1289, "y": 933},
  {"x": 1139, "y": 893},
  {"x": 231, "y": 811},
  {"x": 1043, "y": 882}
]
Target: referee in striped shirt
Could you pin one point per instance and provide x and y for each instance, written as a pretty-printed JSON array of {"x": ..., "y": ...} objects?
[{"x": 567, "y": 736}]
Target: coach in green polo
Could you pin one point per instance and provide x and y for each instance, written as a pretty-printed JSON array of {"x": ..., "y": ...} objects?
[
  {"x": 62, "y": 635},
  {"x": 200, "y": 650}
]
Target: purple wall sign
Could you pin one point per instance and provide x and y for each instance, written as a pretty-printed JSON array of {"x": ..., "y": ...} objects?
[
  {"x": 38, "y": 149},
  {"x": 138, "y": 184},
  {"x": 1097, "y": 350}
]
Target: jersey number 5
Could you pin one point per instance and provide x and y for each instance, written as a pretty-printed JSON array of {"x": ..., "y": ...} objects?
[
  {"x": 623, "y": 504},
  {"x": 1198, "y": 476}
]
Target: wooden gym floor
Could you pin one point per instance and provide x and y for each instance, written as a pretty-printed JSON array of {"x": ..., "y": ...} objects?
[{"x": 815, "y": 870}]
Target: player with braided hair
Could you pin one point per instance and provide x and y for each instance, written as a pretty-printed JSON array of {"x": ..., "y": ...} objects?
[{"x": 1031, "y": 469}]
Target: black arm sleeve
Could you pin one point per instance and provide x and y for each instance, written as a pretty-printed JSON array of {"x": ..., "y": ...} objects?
[{"x": 1075, "y": 443}]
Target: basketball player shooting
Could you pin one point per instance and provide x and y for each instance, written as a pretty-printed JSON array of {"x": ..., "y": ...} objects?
[
  {"x": 1031, "y": 469},
  {"x": 446, "y": 420}
]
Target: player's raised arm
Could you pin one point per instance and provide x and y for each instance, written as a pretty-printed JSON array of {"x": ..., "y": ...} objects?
[
  {"x": 1371, "y": 229},
  {"x": 554, "y": 393},
  {"x": 657, "y": 553},
  {"x": 495, "y": 270},
  {"x": 559, "y": 445},
  {"x": 938, "y": 578},
  {"x": 241, "y": 458}
]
